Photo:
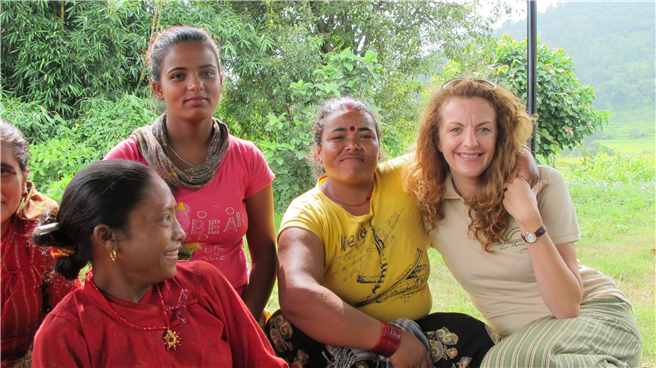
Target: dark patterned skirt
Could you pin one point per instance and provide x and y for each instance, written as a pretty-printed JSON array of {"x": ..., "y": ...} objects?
[{"x": 455, "y": 339}]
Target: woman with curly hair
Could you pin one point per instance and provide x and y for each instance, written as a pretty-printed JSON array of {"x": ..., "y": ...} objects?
[{"x": 509, "y": 246}]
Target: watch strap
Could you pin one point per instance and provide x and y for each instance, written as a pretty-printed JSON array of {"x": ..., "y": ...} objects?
[
  {"x": 541, "y": 231},
  {"x": 532, "y": 237}
]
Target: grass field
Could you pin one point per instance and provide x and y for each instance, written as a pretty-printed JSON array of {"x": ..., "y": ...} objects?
[
  {"x": 617, "y": 220},
  {"x": 631, "y": 131}
]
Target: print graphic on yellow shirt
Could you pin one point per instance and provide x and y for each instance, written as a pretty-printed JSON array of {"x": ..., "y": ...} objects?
[{"x": 368, "y": 261}]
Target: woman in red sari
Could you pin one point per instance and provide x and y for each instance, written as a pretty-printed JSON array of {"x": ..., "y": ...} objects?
[
  {"x": 139, "y": 306},
  {"x": 29, "y": 287}
]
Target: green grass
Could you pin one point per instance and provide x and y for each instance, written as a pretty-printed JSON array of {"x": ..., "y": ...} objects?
[
  {"x": 617, "y": 219},
  {"x": 630, "y": 145},
  {"x": 618, "y": 133},
  {"x": 614, "y": 198}
]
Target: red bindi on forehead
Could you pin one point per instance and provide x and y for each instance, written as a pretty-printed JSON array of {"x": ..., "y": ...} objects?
[{"x": 352, "y": 128}]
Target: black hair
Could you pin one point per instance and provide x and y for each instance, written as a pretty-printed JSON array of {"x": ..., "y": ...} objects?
[
  {"x": 171, "y": 37},
  {"x": 14, "y": 137},
  {"x": 104, "y": 192},
  {"x": 338, "y": 104}
]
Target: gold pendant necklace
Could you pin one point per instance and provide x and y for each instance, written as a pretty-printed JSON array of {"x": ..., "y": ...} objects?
[{"x": 171, "y": 338}]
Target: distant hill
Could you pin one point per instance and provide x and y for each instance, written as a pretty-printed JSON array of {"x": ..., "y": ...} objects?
[{"x": 611, "y": 43}]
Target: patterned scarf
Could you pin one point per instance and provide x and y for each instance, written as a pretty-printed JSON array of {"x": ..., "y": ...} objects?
[
  {"x": 152, "y": 142},
  {"x": 34, "y": 205}
]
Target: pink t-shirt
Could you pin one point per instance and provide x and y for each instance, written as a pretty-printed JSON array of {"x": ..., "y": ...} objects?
[{"x": 214, "y": 216}]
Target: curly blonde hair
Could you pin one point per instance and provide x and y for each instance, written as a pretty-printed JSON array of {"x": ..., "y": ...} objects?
[{"x": 424, "y": 176}]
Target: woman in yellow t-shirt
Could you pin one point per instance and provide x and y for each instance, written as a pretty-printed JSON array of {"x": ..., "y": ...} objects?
[
  {"x": 513, "y": 251},
  {"x": 354, "y": 267}
]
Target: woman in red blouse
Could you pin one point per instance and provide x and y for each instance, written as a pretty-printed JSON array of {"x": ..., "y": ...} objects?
[
  {"x": 29, "y": 287},
  {"x": 139, "y": 306}
]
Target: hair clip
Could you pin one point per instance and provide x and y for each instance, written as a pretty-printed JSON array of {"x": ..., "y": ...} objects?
[{"x": 46, "y": 229}]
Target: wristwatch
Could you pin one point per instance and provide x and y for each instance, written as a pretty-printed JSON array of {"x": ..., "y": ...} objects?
[{"x": 533, "y": 237}]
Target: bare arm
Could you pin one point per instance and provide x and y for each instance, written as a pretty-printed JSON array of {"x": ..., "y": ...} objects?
[
  {"x": 262, "y": 249},
  {"x": 526, "y": 167},
  {"x": 555, "y": 266},
  {"x": 320, "y": 313}
]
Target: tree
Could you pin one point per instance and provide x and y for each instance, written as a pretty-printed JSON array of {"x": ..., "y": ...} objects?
[
  {"x": 58, "y": 53},
  {"x": 75, "y": 70},
  {"x": 291, "y": 137},
  {"x": 564, "y": 104},
  {"x": 411, "y": 38}
]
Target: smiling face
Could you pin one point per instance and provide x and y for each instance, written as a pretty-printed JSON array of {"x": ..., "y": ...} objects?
[
  {"x": 349, "y": 147},
  {"x": 12, "y": 186},
  {"x": 190, "y": 81},
  {"x": 468, "y": 136},
  {"x": 149, "y": 251}
]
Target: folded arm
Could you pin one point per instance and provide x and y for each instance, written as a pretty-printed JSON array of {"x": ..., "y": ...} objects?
[{"x": 319, "y": 312}]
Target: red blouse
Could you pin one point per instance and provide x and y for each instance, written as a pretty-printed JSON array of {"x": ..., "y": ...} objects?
[
  {"x": 214, "y": 326},
  {"x": 30, "y": 289}
]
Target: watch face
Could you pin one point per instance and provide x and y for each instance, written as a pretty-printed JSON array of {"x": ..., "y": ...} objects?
[{"x": 530, "y": 238}]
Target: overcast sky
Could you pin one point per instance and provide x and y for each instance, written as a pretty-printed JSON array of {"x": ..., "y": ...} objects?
[{"x": 520, "y": 8}]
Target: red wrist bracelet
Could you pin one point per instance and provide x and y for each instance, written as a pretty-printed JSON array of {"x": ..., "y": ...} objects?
[{"x": 389, "y": 341}]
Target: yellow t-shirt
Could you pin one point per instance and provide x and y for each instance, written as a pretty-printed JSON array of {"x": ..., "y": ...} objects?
[
  {"x": 502, "y": 285},
  {"x": 377, "y": 263}
]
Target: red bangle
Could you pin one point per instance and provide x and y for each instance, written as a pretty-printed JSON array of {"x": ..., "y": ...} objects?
[{"x": 389, "y": 341}]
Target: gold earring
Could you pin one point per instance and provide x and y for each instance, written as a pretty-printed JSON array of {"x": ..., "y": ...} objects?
[{"x": 112, "y": 255}]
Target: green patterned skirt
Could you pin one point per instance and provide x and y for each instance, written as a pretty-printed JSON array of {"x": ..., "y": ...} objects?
[{"x": 605, "y": 334}]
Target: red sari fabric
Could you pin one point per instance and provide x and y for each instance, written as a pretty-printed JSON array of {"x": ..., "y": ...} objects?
[
  {"x": 215, "y": 327},
  {"x": 30, "y": 289}
]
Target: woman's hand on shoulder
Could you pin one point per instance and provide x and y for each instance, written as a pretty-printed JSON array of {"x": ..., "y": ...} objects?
[
  {"x": 525, "y": 166},
  {"x": 520, "y": 200},
  {"x": 411, "y": 353}
]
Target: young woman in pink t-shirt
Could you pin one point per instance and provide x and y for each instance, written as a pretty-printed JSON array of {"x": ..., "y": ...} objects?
[{"x": 222, "y": 184}]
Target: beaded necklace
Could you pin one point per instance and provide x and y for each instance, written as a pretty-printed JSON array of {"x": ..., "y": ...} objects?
[{"x": 171, "y": 338}]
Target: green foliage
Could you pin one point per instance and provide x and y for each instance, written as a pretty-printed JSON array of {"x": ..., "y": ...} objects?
[
  {"x": 411, "y": 38},
  {"x": 290, "y": 134},
  {"x": 104, "y": 123},
  {"x": 108, "y": 39},
  {"x": 60, "y": 148},
  {"x": 563, "y": 103},
  {"x": 54, "y": 163},
  {"x": 59, "y": 53},
  {"x": 37, "y": 124}
]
